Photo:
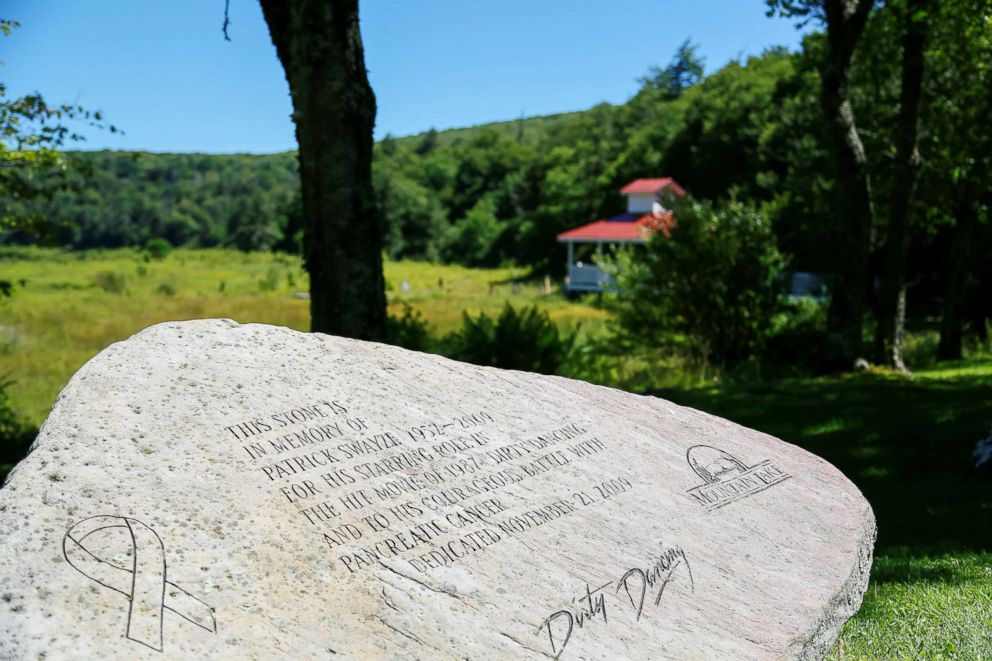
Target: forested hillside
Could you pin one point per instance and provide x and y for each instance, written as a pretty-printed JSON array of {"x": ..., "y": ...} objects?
[
  {"x": 751, "y": 131},
  {"x": 126, "y": 198}
]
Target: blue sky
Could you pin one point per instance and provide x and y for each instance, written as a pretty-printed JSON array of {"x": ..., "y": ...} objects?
[{"x": 162, "y": 72}]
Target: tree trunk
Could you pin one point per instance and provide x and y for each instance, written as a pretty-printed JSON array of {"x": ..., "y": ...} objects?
[
  {"x": 319, "y": 44},
  {"x": 892, "y": 293},
  {"x": 950, "y": 346},
  {"x": 980, "y": 325},
  {"x": 845, "y": 23}
]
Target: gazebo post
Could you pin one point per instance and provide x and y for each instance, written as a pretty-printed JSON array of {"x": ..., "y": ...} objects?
[{"x": 571, "y": 256}]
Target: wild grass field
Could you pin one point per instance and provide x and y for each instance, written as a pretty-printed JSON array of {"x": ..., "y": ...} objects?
[
  {"x": 67, "y": 306},
  {"x": 905, "y": 441}
]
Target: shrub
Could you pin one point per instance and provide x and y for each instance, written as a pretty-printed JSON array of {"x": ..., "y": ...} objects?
[
  {"x": 110, "y": 282},
  {"x": 595, "y": 360},
  {"x": 15, "y": 435},
  {"x": 799, "y": 344},
  {"x": 158, "y": 248},
  {"x": 409, "y": 330},
  {"x": 712, "y": 287},
  {"x": 473, "y": 240},
  {"x": 166, "y": 289},
  {"x": 521, "y": 340},
  {"x": 271, "y": 280}
]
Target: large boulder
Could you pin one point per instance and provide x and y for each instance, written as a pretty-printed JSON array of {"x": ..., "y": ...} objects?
[{"x": 212, "y": 490}]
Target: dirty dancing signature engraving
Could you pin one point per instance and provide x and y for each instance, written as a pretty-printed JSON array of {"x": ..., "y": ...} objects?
[{"x": 635, "y": 584}]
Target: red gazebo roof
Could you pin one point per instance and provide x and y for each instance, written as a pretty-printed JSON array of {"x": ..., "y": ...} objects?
[
  {"x": 652, "y": 186},
  {"x": 626, "y": 228}
]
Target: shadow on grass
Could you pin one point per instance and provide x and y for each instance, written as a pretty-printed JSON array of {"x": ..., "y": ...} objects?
[
  {"x": 900, "y": 566},
  {"x": 906, "y": 443}
]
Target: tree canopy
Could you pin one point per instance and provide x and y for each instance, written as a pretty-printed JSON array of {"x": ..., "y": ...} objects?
[
  {"x": 752, "y": 131},
  {"x": 32, "y": 165}
]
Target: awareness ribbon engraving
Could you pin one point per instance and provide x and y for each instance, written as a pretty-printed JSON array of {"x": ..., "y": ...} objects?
[{"x": 144, "y": 583}]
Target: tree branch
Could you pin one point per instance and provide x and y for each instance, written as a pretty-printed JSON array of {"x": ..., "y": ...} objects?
[{"x": 227, "y": 19}]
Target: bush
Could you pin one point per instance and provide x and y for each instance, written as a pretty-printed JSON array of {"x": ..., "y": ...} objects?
[
  {"x": 473, "y": 240},
  {"x": 158, "y": 248},
  {"x": 110, "y": 282},
  {"x": 525, "y": 340},
  {"x": 166, "y": 289},
  {"x": 800, "y": 345},
  {"x": 409, "y": 331},
  {"x": 711, "y": 288},
  {"x": 596, "y": 360},
  {"x": 15, "y": 436},
  {"x": 271, "y": 280}
]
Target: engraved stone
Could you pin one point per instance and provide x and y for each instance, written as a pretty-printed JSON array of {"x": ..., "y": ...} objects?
[{"x": 213, "y": 490}]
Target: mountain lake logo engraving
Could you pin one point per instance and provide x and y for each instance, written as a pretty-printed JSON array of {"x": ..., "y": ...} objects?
[{"x": 727, "y": 479}]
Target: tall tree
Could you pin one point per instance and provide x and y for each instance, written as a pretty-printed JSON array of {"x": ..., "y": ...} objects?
[
  {"x": 956, "y": 274},
  {"x": 320, "y": 46},
  {"x": 892, "y": 292},
  {"x": 960, "y": 161},
  {"x": 684, "y": 71},
  {"x": 33, "y": 167},
  {"x": 845, "y": 22}
]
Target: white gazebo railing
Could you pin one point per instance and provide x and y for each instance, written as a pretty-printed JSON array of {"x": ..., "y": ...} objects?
[{"x": 588, "y": 277}]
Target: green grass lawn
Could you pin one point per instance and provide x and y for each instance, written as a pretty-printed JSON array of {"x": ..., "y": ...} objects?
[
  {"x": 73, "y": 304},
  {"x": 904, "y": 441}
]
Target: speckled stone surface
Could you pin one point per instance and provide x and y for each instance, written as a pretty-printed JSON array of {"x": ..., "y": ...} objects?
[{"x": 213, "y": 490}]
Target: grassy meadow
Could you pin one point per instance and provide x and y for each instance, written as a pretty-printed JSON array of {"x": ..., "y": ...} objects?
[
  {"x": 905, "y": 441},
  {"x": 67, "y": 306}
]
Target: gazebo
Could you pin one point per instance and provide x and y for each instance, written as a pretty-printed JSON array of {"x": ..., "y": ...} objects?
[{"x": 648, "y": 204}]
